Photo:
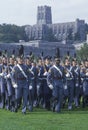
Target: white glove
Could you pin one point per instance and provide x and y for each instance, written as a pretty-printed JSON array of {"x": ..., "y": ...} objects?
[
  {"x": 38, "y": 86},
  {"x": 67, "y": 75},
  {"x": 65, "y": 86},
  {"x": 50, "y": 86},
  {"x": 1, "y": 74},
  {"x": 81, "y": 79},
  {"x": 15, "y": 85},
  {"x": 87, "y": 74},
  {"x": 77, "y": 85},
  {"x": 30, "y": 87},
  {"x": 45, "y": 74},
  {"x": 8, "y": 76}
]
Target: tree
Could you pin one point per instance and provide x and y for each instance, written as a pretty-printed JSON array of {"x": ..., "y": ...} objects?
[
  {"x": 12, "y": 33},
  {"x": 82, "y": 54}
]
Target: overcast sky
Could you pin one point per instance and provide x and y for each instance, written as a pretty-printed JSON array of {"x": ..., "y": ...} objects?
[{"x": 23, "y": 12}]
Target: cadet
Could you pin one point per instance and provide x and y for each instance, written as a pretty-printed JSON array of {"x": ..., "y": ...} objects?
[
  {"x": 55, "y": 81},
  {"x": 76, "y": 82},
  {"x": 34, "y": 80},
  {"x": 40, "y": 82},
  {"x": 0, "y": 80},
  {"x": 47, "y": 90},
  {"x": 30, "y": 76},
  {"x": 3, "y": 87},
  {"x": 69, "y": 85},
  {"x": 10, "y": 89},
  {"x": 20, "y": 83},
  {"x": 84, "y": 75}
]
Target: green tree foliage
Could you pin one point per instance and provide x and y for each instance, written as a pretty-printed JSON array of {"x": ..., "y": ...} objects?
[
  {"x": 12, "y": 33},
  {"x": 86, "y": 27},
  {"x": 82, "y": 54}
]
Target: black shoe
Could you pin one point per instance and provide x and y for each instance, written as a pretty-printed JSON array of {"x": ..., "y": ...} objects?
[
  {"x": 24, "y": 113},
  {"x": 12, "y": 109},
  {"x": 15, "y": 110},
  {"x": 53, "y": 108}
]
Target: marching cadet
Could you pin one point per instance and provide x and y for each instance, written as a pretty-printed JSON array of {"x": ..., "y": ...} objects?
[
  {"x": 84, "y": 76},
  {"x": 10, "y": 89},
  {"x": 81, "y": 82},
  {"x": 40, "y": 86},
  {"x": 69, "y": 84},
  {"x": 34, "y": 80},
  {"x": 28, "y": 63},
  {"x": 76, "y": 82},
  {"x": 47, "y": 90},
  {"x": 20, "y": 83},
  {"x": 55, "y": 81},
  {"x": 0, "y": 80},
  {"x": 3, "y": 87}
]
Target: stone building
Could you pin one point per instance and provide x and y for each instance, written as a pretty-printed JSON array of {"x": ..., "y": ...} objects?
[
  {"x": 45, "y": 30},
  {"x": 44, "y": 15}
]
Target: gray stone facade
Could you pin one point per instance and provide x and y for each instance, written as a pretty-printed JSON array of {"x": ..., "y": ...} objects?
[
  {"x": 44, "y": 15},
  {"x": 39, "y": 46},
  {"x": 44, "y": 28}
]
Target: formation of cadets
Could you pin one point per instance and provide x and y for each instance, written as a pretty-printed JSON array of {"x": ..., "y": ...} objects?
[{"x": 46, "y": 83}]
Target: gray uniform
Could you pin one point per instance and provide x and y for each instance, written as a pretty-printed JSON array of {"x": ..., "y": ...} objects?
[
  {"x": 21, "y": 81},
  {"x": 56, "y": 78}
]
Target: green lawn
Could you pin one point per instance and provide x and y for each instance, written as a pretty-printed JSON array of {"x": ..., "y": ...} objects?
[{"x": 41, "y": 119}]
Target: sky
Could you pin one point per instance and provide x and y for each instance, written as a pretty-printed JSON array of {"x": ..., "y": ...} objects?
[{"x": 24, "y": 12}]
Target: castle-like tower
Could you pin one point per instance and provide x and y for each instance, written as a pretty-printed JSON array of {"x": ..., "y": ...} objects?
[
  {"x": 45, "y": 30},
  {"x": 44, "y": 15}
]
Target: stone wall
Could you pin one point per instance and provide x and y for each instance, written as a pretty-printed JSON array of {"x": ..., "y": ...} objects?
[{"x": 37, "y": 47}]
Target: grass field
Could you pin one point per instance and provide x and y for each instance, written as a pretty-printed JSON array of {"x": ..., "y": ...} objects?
[{"x": 41, "y": 119}]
